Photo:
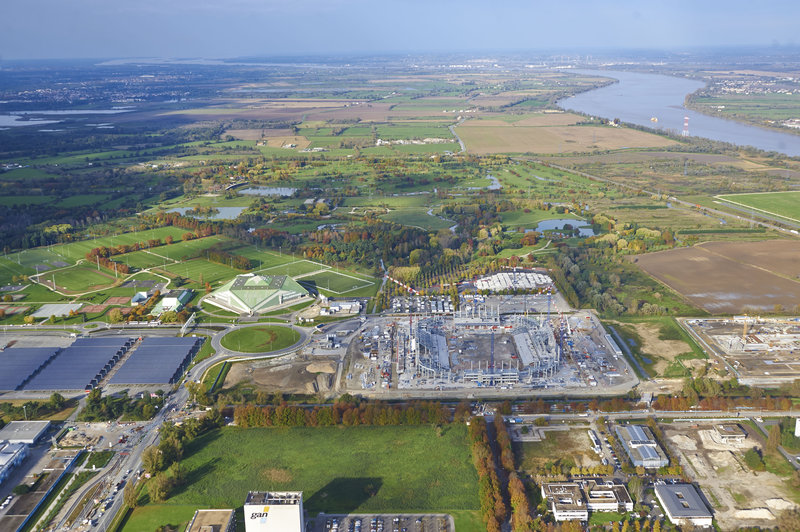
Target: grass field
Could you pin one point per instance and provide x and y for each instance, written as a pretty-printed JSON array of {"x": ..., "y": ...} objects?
[
  {"x": 210, "y": 271},
  {"x": 260, "y": 339},
  {"x": 781, "y": 204},
  {"x": 338, "y": 282},
  {"x": 80, "y": 278},
  {"x": 417, "y": 217},
  {"x": 300, "y": 267},
  {"x": 339, "y": 470},
  {"x": 78, "y": 250}
]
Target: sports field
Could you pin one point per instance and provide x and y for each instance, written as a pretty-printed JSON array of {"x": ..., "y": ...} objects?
[
  {"x": 339, "y": 282},
  {"x": 260, "y": 339},
  {"x": 339, "y": 470},
  {"x": 79, "y": 278},
  {"x": 169, "y": 253},
  {"x": 210, "y": 271},
  {"x": 300, "y": 267},
  {"x": 781, "y": 204},
  {"x": 78, "y": 250}
]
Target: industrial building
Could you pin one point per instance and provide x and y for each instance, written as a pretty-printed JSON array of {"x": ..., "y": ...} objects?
[
  {"x": 684, "y": 505},
  {"x": 212, "y": 521},
  {"x": 250, "y": 293},
  {"x": 573, "y": 501},
  {"x": 730, "y": 432},
  {"x": 28, "y": 432},
  {"x": 274, "y": 511},
  {"x": 504, "y": 281},
  {"x": 641, "y": 446},
  {"x": 11, "y": 455}
]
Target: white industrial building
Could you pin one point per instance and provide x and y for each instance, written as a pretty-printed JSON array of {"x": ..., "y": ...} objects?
[
  {"x": 573, "y": 501},
  {"x": 641, "y": 446},
  {"x": 11, "y": 455},
  {"x": 274, "y": 511},
  {"x": 503, "y": 281},
  {"x": 683, "y": 505}
]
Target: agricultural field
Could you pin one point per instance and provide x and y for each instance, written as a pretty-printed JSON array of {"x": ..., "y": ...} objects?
[
  {"x": 780, "y": 204},
  {"x": 730, "y": 277},
  {"x": 338, "y": 469},
  {"x": 261, "y": 339},
  {"x": 497, "y": 136}
]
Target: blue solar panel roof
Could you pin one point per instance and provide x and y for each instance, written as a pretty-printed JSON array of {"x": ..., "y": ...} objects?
[
  {"x": 157, "y": 361},
  {"x": 19, "y": 363}
]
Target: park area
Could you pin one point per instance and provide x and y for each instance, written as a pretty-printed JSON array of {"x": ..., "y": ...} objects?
[
  {"x": 260, "y": 339},
  {"x": 731, "y": 277},
  {"x": 338, "y": 469}
]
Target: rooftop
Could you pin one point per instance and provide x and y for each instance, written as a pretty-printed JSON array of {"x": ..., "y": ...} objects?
[
  {"x": 274, "y": 497},
  {"x": 210, "y": 521},
  {"x": 682, "y": 501},
  {"x": 22, "y": 431},
  {"x": 730, "y": 430}
]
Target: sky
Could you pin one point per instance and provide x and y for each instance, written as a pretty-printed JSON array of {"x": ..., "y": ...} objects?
[{"x": 52, "y": 29}]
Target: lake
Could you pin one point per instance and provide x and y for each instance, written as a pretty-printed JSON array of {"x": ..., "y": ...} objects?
[
  {"x": 225, "y": 213},
  {"x": 637, "y": 98},
  {"x": 558, "y": 224}
]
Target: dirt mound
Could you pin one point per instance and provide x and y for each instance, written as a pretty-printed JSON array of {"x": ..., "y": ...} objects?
[
  {"x": 780, "y": 504},
  {"x": 321, "y": 367},
  {"x": 278, "y": 475},
  {"x": 754, "y": 513}
]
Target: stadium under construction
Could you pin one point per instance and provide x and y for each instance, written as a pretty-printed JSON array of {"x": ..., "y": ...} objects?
[{"x": 479, "y": 347}]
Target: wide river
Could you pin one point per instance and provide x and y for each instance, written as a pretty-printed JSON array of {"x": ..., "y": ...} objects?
[{"x": 639, "y": 97}]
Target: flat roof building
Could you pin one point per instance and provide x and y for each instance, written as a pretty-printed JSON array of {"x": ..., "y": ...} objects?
[
  {"x": 28, "y": 432},
  {"x": 573, "y": 501},
  {"x": 730, "y": 432},
  {"x": 684, "y": 505},
  {"x": 641, "y": 446},
  {"x": 274, "y": 511},
  {"x": 212, "y": 521}
]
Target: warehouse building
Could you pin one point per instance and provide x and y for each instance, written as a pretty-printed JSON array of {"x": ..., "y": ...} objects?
[
  {"x": 212, "y": 521},
  {"x": 250, "y": 293},
  {"x": 641, "y": 446},
  {"x": 28, "y": 432},
  {"x": 684, "y": 505},
  {"x": 274, "y": 511}
]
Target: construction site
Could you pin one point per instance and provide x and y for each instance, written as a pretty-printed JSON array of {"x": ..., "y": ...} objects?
[
  {"x": 757, "y": 351},
  {"x": 479, "y": 347}
]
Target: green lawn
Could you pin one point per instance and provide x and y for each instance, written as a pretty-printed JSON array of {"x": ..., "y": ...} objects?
[
  {"x": 356, "y": 469},
  {"x": 299, "y": 267},
  {"x": 79, "y": 278},
  {"x": 417, "y": 217},
  {"x": 783, "y": 204},
  {"x": 339, "y": 282},
  {"x": 210, "y": 271},
  {"x": 78, "y": 250},
  {"x": 260, "y": 339}
]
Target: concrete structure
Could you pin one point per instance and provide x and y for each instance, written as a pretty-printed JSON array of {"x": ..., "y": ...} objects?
[
  {"x": 566, "y": 501},
  {"x": 250, "y": 293},
  {"x": 212, "y": 521},
  {"x": 11, "y": 455},
  {"x": 684, "y": 505},
  {"x": 500, "y": 282},
  {"x": 730, "y": 432},
  {"x": 29, "y": 432},
  {"x": 641, "y": 446},
  {"x": 274, "y": 511},
  {"x": 347, "y": 307},
  {"x": 573, "y": 501}
]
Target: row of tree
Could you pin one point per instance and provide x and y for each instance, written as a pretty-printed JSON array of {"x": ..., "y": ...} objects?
[{"x": 493, "y": 508}]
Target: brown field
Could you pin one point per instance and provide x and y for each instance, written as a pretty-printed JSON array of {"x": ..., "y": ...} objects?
[
  {"x": 730, "y": 277},
  {"x": 662, "y": 352},
  {"x": 301, "y": 143},
  {"x": 118, "y": 300},
  {"x": 296, "y": 377},
  {"x": 512, "y": 138},
  {"x": 256, "y": 134},
  {"x": 94, "y": 309}
]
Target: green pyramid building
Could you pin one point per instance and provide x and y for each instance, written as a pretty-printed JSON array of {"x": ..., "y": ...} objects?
[{"x": 251, "y": 293}]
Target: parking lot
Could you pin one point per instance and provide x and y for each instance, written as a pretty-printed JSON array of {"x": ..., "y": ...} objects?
[{"x": 381, "y": 523}]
